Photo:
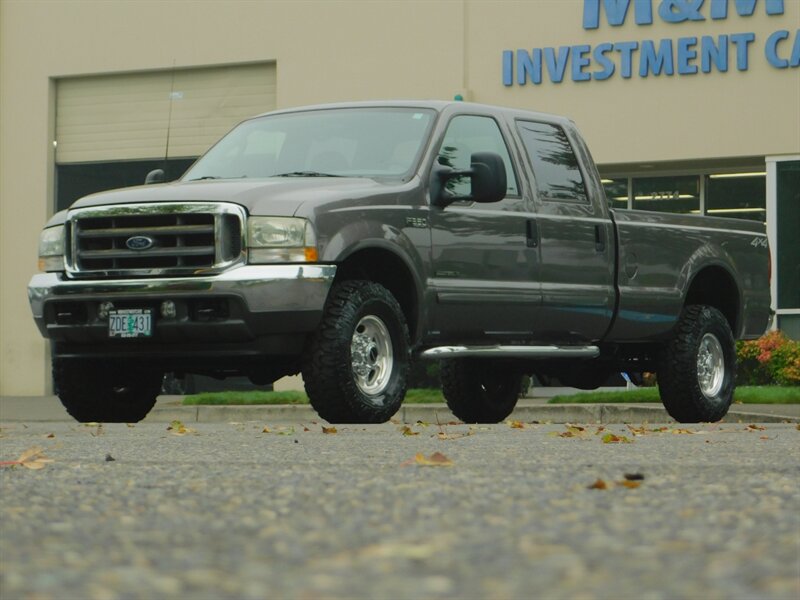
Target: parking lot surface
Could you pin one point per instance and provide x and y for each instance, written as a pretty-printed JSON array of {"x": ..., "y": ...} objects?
[{"x": 515, "y": 510}]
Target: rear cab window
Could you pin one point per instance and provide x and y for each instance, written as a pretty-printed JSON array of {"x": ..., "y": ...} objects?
[{"x": 555, "y": 166}]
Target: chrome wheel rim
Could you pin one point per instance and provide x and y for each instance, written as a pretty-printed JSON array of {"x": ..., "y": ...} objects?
[
  {"x": 710, "y": 366},
  {"x": 371, "y": 355}
]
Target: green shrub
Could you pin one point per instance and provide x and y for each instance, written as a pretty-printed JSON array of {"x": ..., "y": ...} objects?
[{"x": 771, "y": 359}]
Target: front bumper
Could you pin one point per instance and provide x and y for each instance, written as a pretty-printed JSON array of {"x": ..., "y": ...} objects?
[{"x": 237, "y": 311}]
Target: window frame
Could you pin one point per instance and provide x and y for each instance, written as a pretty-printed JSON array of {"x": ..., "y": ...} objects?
[{"x": 504, "y": 138}]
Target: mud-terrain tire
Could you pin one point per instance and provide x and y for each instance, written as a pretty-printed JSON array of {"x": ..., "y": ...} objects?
[
  {"x": 696, "y": 372},
  {"x": 480, "y": 390},
  {"x": 356, "y": 367},
  {"x": 106, "y": 391}
]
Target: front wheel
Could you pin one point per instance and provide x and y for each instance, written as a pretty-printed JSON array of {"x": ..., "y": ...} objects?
[
  {"x": 480, "y": 390},
  {"x": 106, "y": 391},
  {"x": 356, "y": 367},
  {"x": 697, "y": 369}
]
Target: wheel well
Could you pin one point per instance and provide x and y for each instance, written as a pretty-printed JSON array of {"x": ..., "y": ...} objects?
[
  {"x": 389, "y": 270},
  {"x": 715, "y": 287}
]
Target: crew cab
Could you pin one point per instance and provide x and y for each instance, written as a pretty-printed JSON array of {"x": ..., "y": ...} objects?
[{"x": 345, "y": 241}]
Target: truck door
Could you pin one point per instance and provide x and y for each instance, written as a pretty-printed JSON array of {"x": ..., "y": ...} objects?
[
  {"x": 575, "y": 238},
  {"x": 484, "y": 277}
]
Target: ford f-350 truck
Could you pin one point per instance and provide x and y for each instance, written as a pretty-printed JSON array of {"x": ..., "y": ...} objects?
[{"x": 344, "y": 241}]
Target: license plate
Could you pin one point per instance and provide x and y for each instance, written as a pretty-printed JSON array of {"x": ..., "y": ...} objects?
[{"x": 130, "y": 323}]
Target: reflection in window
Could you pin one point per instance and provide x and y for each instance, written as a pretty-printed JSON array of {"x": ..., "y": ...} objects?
[
  {"x": 616, "y": 192},
  {"x": 555, "y": 166},
  {"x": 737, "y": 195},
  {"x": 466, "y": 135},
  {"x": 667, "y": 194}
]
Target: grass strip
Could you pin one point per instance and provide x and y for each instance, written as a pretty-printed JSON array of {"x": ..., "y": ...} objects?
[
  {"x": 766, "y": 394},
  {"x": 413, "y": 396}
]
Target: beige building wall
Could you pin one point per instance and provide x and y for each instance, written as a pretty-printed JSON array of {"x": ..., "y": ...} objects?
[{"x": 353, "y": 50}]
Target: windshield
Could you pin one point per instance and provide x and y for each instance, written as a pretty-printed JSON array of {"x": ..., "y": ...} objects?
[{"x": 342, "y": 142}]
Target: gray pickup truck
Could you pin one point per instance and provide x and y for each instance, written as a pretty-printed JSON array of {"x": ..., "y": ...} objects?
[{"x": 344, "y": 241}]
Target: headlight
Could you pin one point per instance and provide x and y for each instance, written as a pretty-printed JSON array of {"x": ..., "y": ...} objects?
[
  {"x": 51, "y": 249},
  {"x": 280, "y": 239}
]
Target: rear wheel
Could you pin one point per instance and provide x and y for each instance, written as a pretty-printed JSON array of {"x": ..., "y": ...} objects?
[
  {"x": 357, "y": 365},
  {"x": 697, "y": 369},
  {"x": 106, "y": 391},
  {"x": 480, "y": 390}
]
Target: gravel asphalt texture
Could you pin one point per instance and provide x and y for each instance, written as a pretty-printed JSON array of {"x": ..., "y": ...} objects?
[{"x": 227, "y": 510}]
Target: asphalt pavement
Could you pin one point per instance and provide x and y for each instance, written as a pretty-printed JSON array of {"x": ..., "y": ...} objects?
[{"x": 285, "y": 510}]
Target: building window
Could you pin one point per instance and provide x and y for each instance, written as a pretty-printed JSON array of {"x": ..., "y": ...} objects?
[
  {"x": 737, "y": 195},
  {"x": 788, "y": 241},
  {"x": 680, "y": 194},
  {"x": 616, "y": 192}
]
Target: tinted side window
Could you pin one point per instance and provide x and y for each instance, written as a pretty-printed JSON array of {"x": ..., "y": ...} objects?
[
  {"x": 466, "y": 135},
  {"x": 555, "y": 166}
]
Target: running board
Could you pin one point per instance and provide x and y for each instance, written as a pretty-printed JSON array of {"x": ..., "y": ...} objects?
[{"x": 512, "y": 352}]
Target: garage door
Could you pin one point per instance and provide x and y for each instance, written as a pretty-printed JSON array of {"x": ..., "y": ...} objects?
[{"x": 135, "y": 116}]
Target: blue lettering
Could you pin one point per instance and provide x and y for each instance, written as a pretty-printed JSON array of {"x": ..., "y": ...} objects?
[
  {"x": 529, "y": 65},
  {"x": 580, "y": 61},
  {"x": 744, "y": 8},
  {"x": 742, "y": 42},
  {"x": 687, "y": 53},
  {"x": 625, "y": 50},
  {"x": 771, "y": 49},
  {"x": 678, "y": 11},
  {"x": 556, "y": 65},
  {"x": 616, "y": 11},
  {"x": 508, "y": 67},
  {"x": 656, "y": 61},
  {"x": 794, "y": 61},
  {"x": 605, "y": 62},
  {"x": 718, "y": 53}
]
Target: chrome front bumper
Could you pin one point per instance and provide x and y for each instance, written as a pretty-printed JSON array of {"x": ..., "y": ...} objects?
[{"x": 262, "y": 288}]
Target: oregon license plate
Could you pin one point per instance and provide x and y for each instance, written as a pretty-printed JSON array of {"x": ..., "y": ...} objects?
[{"x": 130, "y": 323}]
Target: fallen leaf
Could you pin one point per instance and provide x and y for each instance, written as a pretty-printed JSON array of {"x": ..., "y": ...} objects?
[
  {"x": 33, "y": 458},
  {"x": 406, "y": 430},
  {"x": 110, "y": 458},
  {"x": 682, "y": 432},
  {"x": 423, "y": 424},
  {"x": 629, "y": 484},
  {"x": 437, "y": 459},
  {"x": 178, "y": 428},
  {"x": 330, "y": 430},
  {"x": 50, "y": 435},
  {"x": 516, "y": 424},
  {"x": 289, "y": 431},
  {"x": 306, "y": 428},
  {"x": 599, "y": 485},
  {"x": 754, "y": 427},
  {"x": 266, "y": 430},
  {"x": 610, "y": 438},
  {"x": 634, "y": 476}
]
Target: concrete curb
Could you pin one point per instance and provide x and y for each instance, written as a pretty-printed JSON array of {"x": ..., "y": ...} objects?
[
  {"x": 169, "y": 408},
  {"x": 439, "y": 413}
]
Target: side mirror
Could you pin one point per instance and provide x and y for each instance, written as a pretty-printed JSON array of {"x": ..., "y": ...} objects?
[
  {"x": 155, "y": 176},
  {"x": 487, "y": 174},
  {"x": 488, "y": 177}
]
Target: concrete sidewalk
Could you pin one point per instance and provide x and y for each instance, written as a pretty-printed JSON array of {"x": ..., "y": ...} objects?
[{"x": 169, "y": 408}]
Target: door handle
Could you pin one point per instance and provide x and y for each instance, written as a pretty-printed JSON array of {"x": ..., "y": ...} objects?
[
  {"x": 599, "y": 238},
  {"x": 532, "y": 233}
]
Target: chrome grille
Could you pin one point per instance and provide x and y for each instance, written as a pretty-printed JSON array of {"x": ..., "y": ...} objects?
[{"x": 154, "y": 239}]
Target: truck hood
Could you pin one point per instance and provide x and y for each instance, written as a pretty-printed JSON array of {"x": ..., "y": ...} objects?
[{"x": 276, "y": 196}]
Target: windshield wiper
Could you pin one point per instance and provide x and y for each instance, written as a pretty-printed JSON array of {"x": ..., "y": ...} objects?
[
  {"x": 205, "y": 177},
  {"x": 306, "y": 174}
]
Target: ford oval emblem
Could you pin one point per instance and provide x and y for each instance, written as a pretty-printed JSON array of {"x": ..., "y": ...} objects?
[{"x": 139, "y": 242}]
